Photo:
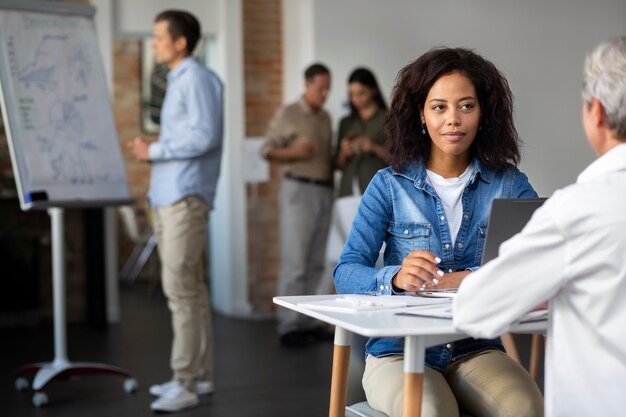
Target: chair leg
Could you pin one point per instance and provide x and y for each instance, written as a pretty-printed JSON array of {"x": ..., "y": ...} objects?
[
  {"x": 509, "y": 345},
  {"x": 143, "y": 258},
  {"x": 130, "y": 262}
]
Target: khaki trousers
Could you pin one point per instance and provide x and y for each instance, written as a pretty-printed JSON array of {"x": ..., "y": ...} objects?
[
  {"x": 304, "y": 225},
  {"x": 488, "y": 384},
  {"x": 181, "y": 231}
]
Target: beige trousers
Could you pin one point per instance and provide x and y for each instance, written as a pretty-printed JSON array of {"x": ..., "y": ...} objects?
[
  {"x": 488, "y": 384},
  {"x": 304, "y": 225},
  {"x": 181, "y": 231}
]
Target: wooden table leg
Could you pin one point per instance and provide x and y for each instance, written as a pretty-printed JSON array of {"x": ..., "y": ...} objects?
[
  {"x": 339, "y": 381},
  {"x": 509, "y": 345},
  {"x": 535, "y": 351},
  {"x": 414, "y": 352}
]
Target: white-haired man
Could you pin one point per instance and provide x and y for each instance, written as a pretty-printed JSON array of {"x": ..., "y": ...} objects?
[{"x": 572, "y": 254}]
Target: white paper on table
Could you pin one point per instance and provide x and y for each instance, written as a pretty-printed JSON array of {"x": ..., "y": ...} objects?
[{"x": 354, "y": 303}]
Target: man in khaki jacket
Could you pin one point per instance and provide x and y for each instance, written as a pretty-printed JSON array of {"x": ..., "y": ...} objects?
[{"x": 299, "y": 138}]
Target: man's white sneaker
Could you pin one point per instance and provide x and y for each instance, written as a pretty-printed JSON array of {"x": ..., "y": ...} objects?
[
  {"x": 202, "y": 388},
  {"x": 175, "y": 398}
]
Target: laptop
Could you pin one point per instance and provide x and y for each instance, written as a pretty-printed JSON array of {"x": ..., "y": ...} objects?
[{"x": 507, "y": 218}]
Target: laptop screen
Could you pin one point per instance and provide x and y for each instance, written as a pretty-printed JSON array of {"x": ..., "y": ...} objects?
[{"x": 507, "y": 218}]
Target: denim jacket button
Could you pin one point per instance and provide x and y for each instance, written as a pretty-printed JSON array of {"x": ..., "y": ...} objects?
[
  {"x": 449, "y": 345},
  {"x": 466, "y": 216},
  {"x": 460, "y": 245},
  {"x": 382, "y": 287},
  {"x": 447, "y": 246},
  {"x": 406, "y": 232},
  {"x": 450, "y": 271},
  {"x": 442, "y": 218}
]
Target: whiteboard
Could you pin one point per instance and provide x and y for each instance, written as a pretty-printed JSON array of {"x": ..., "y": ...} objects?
[{"x": 57, "y": 111}]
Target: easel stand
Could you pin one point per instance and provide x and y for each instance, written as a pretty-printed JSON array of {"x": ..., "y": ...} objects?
[{"x": 61, "y": 367}]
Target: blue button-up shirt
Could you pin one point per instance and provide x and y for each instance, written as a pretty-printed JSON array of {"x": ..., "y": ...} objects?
[
  {"x": 186, "y": 158},
  {"x": 403, "y": 210}
]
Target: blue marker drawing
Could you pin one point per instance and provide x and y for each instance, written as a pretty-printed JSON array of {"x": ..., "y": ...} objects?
[
  {"x": 40, "y": 71},
  {"x": 56, "y": 165},
  {"x": 88, "y": 146},
  {"x": 73, "y": 149},
  {"x": 79, "y": 64},
  {"x": 66, "y": 120},
  {"x": 45, "y": 145}
]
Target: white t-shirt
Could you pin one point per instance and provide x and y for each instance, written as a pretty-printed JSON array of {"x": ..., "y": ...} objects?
[
  {"x": 450, "y": 191},
  {"x": 572, "y": 253}
]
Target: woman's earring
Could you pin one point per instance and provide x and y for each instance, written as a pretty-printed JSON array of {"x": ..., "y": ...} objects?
[{"x": 423, "y": 129}]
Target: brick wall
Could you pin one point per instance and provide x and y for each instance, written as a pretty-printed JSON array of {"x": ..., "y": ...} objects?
[
  {"x": 263, "y": 96},
  {"x": 127, "y": 112}
]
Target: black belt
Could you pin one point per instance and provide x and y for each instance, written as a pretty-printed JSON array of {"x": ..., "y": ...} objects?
[{"x": 291, "y": 176}]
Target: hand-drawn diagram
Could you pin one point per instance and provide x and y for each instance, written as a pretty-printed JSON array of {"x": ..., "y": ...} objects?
[
  {"x": 40, "y": 70},
  {"x": 68, "y": 133},
  {"x": 66, "y": 120},
  {"x": 79, "y": 64},
  {"x": 60, "y": 104}
]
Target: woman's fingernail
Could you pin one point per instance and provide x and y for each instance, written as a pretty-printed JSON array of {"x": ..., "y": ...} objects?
[
  {"x": 437, "y": 259},
  {"x": 440, "y": 272},
  {"x": 435, "y": 280}
]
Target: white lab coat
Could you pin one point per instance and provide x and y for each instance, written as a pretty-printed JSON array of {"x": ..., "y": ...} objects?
[{"x": 572, "y": 252}]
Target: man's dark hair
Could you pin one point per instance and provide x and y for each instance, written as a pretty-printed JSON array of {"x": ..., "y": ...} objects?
[
  {"x": 181, "y": 23},
  {"x": 315, "y": 69},
  {"x": 496, "y": 143}
]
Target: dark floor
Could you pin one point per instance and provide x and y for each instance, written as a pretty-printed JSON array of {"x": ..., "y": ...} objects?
[{"x": 255, "y": 377}]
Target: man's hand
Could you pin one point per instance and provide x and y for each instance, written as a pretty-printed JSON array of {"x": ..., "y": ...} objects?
[
  {"x": 140, "y": 148},
  {"x": 303, "y": 150},
  {"x": 418, "y": 268},
  {"x": 296, "y": 152}
]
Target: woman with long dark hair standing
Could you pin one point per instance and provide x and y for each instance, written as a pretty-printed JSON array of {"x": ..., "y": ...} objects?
[{"x": 361, "y": 148}]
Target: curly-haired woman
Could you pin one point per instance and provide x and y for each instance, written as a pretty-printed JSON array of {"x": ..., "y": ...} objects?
[{"x": 453, "y": 149}]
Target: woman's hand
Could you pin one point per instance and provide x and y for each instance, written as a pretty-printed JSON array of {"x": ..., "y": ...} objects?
[
  {"x": 345, "y": 153},
  {"x": 418, "y": 268},
  {"x": 363, "y": 144},
  {"x": 450, "y": 280},
  {"x": 346, "y": 148}
]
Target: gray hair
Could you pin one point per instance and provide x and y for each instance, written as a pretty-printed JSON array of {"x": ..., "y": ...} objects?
[{"x": 604, "y": 78}]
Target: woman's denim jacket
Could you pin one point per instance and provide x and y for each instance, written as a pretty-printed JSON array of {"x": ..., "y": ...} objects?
[{"x": 403, "y": 210}]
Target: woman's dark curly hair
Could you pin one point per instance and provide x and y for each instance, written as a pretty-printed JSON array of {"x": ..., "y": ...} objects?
[{"x": 496, "y": 143}]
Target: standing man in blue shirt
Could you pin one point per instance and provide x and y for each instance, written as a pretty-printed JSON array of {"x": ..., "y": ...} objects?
[{"x": 185, "y": 167}]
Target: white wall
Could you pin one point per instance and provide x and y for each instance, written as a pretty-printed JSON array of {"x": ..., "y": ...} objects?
[
  {"x": 538, "y": 45},
  {"x": 298, "y": 45},
  {"x": 135, "y": 17},
  {"x": 228, "y": 240}
]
